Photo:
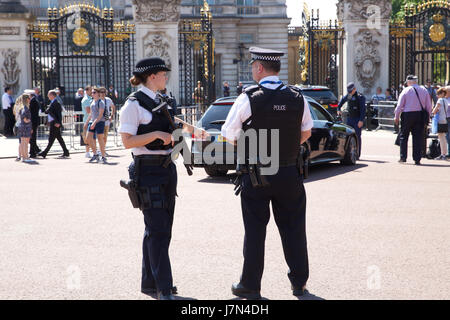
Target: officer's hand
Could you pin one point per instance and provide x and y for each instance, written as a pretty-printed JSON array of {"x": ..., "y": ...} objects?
[
  {"x": 360, "y": 124},
  {"x": 200, "y": 134},
  {"x": 339, "y": 113},
  {"x": 166, "y": 137}
]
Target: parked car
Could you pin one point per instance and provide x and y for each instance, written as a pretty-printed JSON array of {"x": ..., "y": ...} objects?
[
  {"x": 330, "y": 140},
  {"x": 323, "y": 95}
]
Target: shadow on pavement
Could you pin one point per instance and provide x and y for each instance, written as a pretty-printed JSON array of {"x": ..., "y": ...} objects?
[
  {"x": 329, "y": 170},
  {"x": 177, "y": 297},
  {"x": 228, "y": 179},
  {"x": 374, "y": 161},
  {"x": 309, "y": 296},
  {"x": 318, "y": 172}
]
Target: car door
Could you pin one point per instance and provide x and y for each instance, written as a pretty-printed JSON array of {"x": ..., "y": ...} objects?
[{"x": 325, "y": 135}]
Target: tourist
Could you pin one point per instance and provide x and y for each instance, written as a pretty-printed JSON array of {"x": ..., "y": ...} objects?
[
  {"x": 97, "y": 126},
  {"x": 22, "y": 111},
  {"x": 8, "y": 105},
  {"x": 440, "y": 113},
  {"x": 86, "y": 109},
  {"x": 226, "y": 89},
  {"x": 110, "y": 111}
]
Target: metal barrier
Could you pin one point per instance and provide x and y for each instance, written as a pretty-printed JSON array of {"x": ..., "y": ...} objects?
[
  {"x": 385, "y": 114},
  {"x": 72, "y": 126},
  {"x": 189, "y": 114}
]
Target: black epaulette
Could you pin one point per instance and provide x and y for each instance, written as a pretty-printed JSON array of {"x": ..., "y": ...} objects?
[{"x": 132, "y": 97}]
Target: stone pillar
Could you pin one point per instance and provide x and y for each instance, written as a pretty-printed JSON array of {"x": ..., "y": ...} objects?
[
  {"x": 157, "y": 34},
  {"x": 15, "y": 60},
  {"x": 366, "y": 44}
]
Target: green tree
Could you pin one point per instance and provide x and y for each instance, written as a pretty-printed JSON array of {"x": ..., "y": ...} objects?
[{"x": 398, "y": 8}]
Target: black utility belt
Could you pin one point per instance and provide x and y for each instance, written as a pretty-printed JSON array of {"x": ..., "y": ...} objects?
[{"x": 152, "y": 159}]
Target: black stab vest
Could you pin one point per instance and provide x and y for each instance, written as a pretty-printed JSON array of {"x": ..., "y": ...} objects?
[
  {"x": 277, "y": 109},
  {"x": 159, "y": 121},
  {"x": 354, "y": 111}
]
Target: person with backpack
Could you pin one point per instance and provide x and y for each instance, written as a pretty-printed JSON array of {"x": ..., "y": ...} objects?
[
  {"x": 97, "y": 126},
  {"x": 440, "y": 112}
]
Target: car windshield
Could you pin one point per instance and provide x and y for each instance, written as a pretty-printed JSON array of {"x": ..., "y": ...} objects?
[
  {"x": 320, "y": 94},
  {"x": 214, "y": 113}
]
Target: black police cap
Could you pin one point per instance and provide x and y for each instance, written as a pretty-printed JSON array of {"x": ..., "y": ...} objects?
[
  {"x": 153, "y": 64},
  {"x": 265, "y": 54}
]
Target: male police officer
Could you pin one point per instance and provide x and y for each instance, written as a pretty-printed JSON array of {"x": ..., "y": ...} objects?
[
  {"x": 273, "y": 106},
  {"x": 356, "y": 110}
]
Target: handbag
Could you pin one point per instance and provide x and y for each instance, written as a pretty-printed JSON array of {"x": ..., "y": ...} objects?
[
  {"x": 424, "y": 113},
  {"x": 435, "y": 123}
]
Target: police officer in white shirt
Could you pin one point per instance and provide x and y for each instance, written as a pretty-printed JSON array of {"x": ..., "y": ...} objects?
[
  {"x": 271, "y": 105},
  {"x": 147, "y": 131}
]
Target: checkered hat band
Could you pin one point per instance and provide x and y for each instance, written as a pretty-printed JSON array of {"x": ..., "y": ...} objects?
[
  {"x": 266, "y": 58},
  {"x": 143, "y": 69}
]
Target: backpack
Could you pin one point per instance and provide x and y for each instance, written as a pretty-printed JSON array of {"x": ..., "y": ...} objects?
[{"x": 434, "y": 149}]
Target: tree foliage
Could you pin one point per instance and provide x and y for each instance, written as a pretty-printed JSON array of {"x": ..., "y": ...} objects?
[{"x": 398, "y": 8}]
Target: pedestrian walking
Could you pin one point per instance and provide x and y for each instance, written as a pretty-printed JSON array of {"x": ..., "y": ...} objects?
[
  {"x": 413, "y": 108},
  {"x": 7, "y": 106},
  {"x": 22, "y": 109},
  {"x": 440, "y": 112},
  {"x": 35, "y": 107},
  {"x": 86, "y": 109},
  {"x": 154, "y": 176},
  {"x": 96, "y": 126},
  {"x": 54, "y": 120},
  {"x": 447, "y": 97},
  {"x": 267, "y": 106},
  {"x": 356, "y": 107},
  {"x": 110, "y": 111}
]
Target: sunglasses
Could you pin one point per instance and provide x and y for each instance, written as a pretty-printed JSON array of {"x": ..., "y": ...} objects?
[{"x": 94, "y": 92}]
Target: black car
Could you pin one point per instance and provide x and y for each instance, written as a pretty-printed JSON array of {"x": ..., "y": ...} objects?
[
  {"x": 323, "y": 95},
  {"x": 330, "y": 140}
]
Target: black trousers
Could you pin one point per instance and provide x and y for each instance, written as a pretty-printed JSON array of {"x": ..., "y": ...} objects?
[
  {"x": 156, "y": 268},
  {"x": 411, "y": 122},
  {"x": 9, "y": 121},
  {"x": 55, "y": 134},
  {"x": 287, "y": 196},
  {"x": 34, "y": 149}
]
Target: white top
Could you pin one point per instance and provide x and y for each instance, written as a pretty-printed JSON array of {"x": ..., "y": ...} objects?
[
  {"x": 443, "y": 110},
  {"x": 6, "y": 101},
  {"x": 108, "y": 104},
  {"x": 49, "y": 117},
  {"x": 132, "y": 115},
  {"x": 241, "y": 111}
]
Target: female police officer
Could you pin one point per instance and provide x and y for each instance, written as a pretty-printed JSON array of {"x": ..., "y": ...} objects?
[{"x": 147, "y": 133}]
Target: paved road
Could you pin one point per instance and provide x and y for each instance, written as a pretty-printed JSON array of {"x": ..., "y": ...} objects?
[{"x": 378, "y": 230}]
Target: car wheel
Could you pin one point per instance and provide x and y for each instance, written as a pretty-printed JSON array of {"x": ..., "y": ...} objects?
[
  {"x": 215, "y": 172},
  {"x": 351, "y": 152}
]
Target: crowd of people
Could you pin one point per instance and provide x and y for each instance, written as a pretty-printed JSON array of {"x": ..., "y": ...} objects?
[{"x": 22, "y": 120}]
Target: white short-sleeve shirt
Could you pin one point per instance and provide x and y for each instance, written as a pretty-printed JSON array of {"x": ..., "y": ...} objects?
[
  {"x": 241, "y": 111},
  {"x": 132, "y": 115}
]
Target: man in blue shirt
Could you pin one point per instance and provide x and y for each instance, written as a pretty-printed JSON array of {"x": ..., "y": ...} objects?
[{"x": 356, "y": 110}]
